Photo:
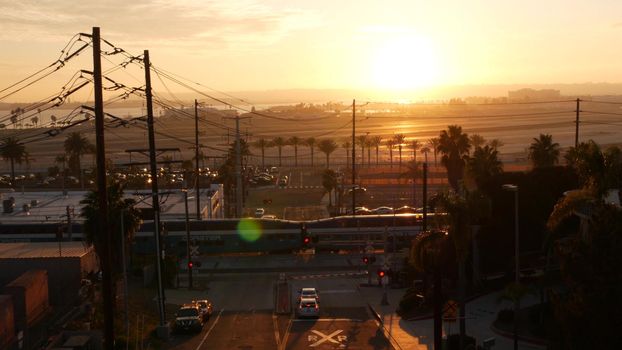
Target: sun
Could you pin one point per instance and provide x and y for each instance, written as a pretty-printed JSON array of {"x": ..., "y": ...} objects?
[{"x": 405, "y": 62}]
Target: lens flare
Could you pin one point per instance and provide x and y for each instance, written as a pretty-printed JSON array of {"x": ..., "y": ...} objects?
[{"x": 249, "y": 230}]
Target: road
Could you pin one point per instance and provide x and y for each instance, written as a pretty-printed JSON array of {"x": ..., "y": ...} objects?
[{"x": 244, "y": 316}]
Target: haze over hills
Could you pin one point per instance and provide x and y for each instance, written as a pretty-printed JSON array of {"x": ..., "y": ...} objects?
[{"x": 290, "y": 96}]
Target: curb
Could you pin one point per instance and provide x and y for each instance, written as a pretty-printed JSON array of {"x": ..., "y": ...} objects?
[{"x": 522, "y": 338}]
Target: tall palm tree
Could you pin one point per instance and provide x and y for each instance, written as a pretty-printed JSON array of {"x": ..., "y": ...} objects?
[
  {"x": 399, "y": 140},
  {"x": 543, "y": 152},
  {"x": 53, "y": 119},
  {"x": 415, "y": 145},
  {"x": 329, "y": 182},
  {"x": 262, "y": 144},
  {"x": 346, "y": 144},
  {"x": 76, "y": 146},
  {"x": 390, "y": 143},
  {"x": 368, "y": 145},
  {"x": 14, "y": 152},
  {"x": 310, "y": 142},
  {"x": 376, "y": 141},
  {"x": 361, "y": 140},
  {"x": 434, "y": 142},
  {"x": 425, "y": 150},
  {"x": 495, "y": 144},
  {"x": 477, "y": 140},
  {"x": 279, "y": 143},
  {"x": 454, "y": 146},
  {"x": 327, "y": 146},
  {"x": 412, "y": 172},
  {"x": 294, "y": 141},
  {"x": 121, "y": 214},
  {"x": 483, "y": 165},
  {"x": 62, "y": 159}
]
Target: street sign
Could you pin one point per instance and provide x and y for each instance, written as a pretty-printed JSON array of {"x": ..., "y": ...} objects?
[{"x": 318, "y": 338}]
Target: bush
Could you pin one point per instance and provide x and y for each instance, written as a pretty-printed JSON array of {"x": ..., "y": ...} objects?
[
  {"x": 505, "y": 316},
  {"x": 410, "y": 302}
]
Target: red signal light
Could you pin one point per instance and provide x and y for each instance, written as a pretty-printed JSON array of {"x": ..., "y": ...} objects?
[
  {"x": 365, "y": 260},
  {"x": 190, "y": 264},
  {"x": 381, "y": 273},
  {"x": 306, "y": 240}
]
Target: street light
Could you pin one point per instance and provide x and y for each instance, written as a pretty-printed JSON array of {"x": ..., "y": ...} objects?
[{"x": 514, "y": 188}]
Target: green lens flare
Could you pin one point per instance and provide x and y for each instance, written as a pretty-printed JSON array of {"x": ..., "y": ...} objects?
[{"x": 249, "y": 230}]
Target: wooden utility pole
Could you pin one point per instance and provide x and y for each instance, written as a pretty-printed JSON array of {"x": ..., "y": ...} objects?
[
  {"x": 576, "y": 130},
  {"x": 424, "y": 226},
  {"x": 154, "y": 188},
  {"x": 238, "y": 168},
  {"x": 197, "y": 175},
  {"x": 353, "y": 156},
  {"x": 102, "y": 227}
]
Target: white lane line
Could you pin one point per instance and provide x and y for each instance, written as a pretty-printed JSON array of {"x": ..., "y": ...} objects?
[
  {"x": 210, "y": 329},
  {"x": 286, "y": 335},
  {"x": 337, "y": 291},
  {"x": 275, "y": 324}
]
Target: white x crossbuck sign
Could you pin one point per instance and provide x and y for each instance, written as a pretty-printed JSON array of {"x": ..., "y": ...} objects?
[{"x": 325, "y": 338}]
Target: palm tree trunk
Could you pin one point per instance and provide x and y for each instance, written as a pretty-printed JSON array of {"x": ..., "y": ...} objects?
[
  {"x": 13, "y": 171},
  {"x": 296, "y": 156},
  {"x": 376, "y": 156},
  {"x": 279, "y": 156},
  {"x": 263, "y": 164}
]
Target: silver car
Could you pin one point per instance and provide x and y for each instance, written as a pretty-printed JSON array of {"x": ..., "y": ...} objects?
[{"x": 308, "y": 307}]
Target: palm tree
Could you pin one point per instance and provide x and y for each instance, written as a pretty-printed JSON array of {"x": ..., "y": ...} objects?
[
  {"x": 327, "y": 146},
  {"x": 477, "y": 140},
  {"x": 53, "y": 119},
  {"x": 346, "y": 146},
  {"x": 399, "y": 140},
  {"x": 458, "y": 228},
  {"x": 329, "y": 182},
  {"x": 35, "y": 120},
  {"x": 483, "y": 165},
  {"x": 543, "y": 152},
  {"x": 279, "y": 142},
  {"x": 294, "y": 141},
  {"x": 310, "y": 142},
  {"x": 376, "y": 141},
  {"x": 62, "y": 159},
  {"x": 14, "y": 152},
  {"x": 415, "y": 145},
  {"x": 434, "y": 142},
  {"x": 495, "y": 144},
  {"x": 262, "y": 144},
  {"x": 412, "y": 172},
  {"x": 390, "y": 143},
  {"x": 425, "y": 150},
  {"x": 77, "y": 145},
  {"x": 361, "y": 140},
  {"x": 368, "y": 144},
  {"x": 454, "y": 146},
  {"x": 123, "y": 221}
]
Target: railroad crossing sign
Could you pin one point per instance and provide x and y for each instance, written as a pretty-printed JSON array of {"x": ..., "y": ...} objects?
[
  {"x": 194, "y": 250},
  {"x": 319, "y": 338},
  {"x": 450, "y": 311}
]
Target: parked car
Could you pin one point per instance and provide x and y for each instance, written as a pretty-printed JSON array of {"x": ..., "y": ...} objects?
[
  {"x": 308, "y": 307},
  {"x": 188, "y": 318},
  {"x": 259, "y": 212},
  {"x": 383, "y": 210},
  {"x": 306, "y": 293},
  {"x": 361, "y": 211},
  {"x": 358, "y": 190},
  {"x": 405, "y": 210},
  {"x": 206, "y": 308}
]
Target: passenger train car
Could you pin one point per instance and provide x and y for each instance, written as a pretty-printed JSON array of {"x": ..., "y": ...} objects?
[{"x": 246, "y": 235}]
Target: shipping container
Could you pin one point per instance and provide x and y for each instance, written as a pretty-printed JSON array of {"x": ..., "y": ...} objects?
[
  {"x": 7, "y": 321},
  {"x": 30, "y": 297}
]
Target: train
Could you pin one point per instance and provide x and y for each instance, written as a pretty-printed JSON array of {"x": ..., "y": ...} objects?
[{"x": 246, "y": 235}]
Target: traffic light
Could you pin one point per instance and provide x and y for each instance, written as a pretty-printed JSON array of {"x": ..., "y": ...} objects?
[
  {"x": 304, "y": 235},
  {"x": 381, "y": 273},
  {"x": 306, "y": 240},
  {"x": 365, "y": 260},
  {"x": 190, "y": 264}
]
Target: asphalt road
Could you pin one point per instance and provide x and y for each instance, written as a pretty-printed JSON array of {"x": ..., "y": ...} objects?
[{"x": 244, "y": 318}]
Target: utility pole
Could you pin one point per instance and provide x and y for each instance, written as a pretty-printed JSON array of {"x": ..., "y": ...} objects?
[
  {"x": 576, "y": 130},
  {"x": 425, "y": 196},
  {"x": 154, "y": 188},
  {"x": 197, "y": 175},
  {"x": 353, "y": 156},
  {"x": 188, "y": 240},
  {"x": 102, "y": 227},
  {"x": 238, "y": 168},
  {"x": 69, "y": 225}
]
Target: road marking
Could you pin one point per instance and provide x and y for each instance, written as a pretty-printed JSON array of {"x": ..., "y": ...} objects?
[
  {"x": 277, "y": 336},
  {"x": 286, "y": 335},
  {"x": 210, "y": 329},
  {"x": 338, "y": 291},
  {"x": 325, "y": 338}
]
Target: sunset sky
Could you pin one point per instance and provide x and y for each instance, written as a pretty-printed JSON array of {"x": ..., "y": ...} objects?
[{"x": 238, "y": 45}]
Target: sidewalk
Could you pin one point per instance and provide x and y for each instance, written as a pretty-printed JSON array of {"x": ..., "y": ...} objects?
[{"x": 419, "y": 335}]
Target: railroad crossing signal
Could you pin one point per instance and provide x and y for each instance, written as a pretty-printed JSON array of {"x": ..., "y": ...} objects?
[
  {"x": 194, "y": 250},
  {"x": 190, "y": 265}
]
